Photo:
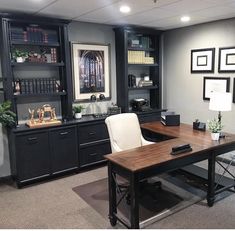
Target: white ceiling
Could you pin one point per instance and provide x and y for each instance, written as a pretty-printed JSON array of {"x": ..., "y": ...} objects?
[{"x": 164, "y": 14}]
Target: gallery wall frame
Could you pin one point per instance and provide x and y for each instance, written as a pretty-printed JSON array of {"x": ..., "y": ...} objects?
[
  {"x": 202, "y": 60},
  {"x": 91, "y": 71},
  {"x": 211, "y": 84},
  {"x": 233, "y": 90},
  {"x": 226, "y": 59}
]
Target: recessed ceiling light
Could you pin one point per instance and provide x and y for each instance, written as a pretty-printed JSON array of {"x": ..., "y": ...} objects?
[
  {"x": 185, "y": 18},
  {"x": 125, "y": 9}
]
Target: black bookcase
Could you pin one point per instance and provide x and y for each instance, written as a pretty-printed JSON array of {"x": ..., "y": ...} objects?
[
  {"x": 138, "y": 59},
  {"x": 43, "y": 75}
]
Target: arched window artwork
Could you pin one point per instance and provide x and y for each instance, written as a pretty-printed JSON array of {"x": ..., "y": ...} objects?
[{"x": 91, "y": 71}]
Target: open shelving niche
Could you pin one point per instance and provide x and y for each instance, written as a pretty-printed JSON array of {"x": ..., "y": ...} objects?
[
  {"x": 137, "y": 54},
  {"x": 43, "y": 77}
]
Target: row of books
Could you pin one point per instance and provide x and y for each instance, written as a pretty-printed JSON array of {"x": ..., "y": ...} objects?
[
  {"x": 36, "y": 86},
  {"x": 34, "y": 35},
  {"x": 139, "y": 57}
]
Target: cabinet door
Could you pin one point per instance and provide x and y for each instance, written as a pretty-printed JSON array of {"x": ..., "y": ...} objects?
[
  {"x": 64, "y": 149},
  {"x": 33, "y": 156}
]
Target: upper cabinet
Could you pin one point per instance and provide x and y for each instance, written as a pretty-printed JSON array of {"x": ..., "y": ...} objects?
[
  {"x": 36, "y": 65},
  {"x": 138, "y": 71}
]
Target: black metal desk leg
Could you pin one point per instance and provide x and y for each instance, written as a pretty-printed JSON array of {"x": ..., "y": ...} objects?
[
  {"x": 112, "y": 196},
  {"x": 211, "y": 181},
  {"x": 134, "y": 188}
]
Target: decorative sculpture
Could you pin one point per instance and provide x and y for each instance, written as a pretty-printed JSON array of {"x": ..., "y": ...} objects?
[{"x": 45, "y": 110}]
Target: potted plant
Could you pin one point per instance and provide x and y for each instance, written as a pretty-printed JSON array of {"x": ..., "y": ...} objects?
[
  {"x": 7, "y": 117},
  {"x": 215, "y": 127},
  {"x": 77, "y": 109},
  {"x": 19, "y": 55}
]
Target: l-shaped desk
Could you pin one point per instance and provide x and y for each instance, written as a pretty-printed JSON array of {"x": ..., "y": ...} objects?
[{"x": 146, "y": 161}]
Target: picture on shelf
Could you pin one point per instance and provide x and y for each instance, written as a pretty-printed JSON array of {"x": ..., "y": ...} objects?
[{"x": 91, "y": 70}]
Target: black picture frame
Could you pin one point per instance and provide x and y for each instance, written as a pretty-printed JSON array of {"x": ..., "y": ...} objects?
[
  {"x": 226, "y": 59},
  {"x": 203, "y": 60},
  {"x": 220, "y": 84}
]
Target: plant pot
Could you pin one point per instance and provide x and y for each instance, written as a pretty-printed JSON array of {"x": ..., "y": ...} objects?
[
  {"x": 78, "y": 115},
  {"x": 215, "y": 136},
  {"x": 19, "y": 59}
]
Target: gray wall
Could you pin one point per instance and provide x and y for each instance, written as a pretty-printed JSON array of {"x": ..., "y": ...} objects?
[
  {"x": 97, "y": 34},
  {"x": 183, "y": 91}
]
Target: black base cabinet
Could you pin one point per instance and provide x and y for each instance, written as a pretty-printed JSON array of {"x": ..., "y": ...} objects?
[{"x": 42, "y": 153}]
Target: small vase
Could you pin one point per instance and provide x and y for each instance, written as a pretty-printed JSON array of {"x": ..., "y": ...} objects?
[
  {"x": 78, "y": 115},
  {"x": 215, "y": 136}
]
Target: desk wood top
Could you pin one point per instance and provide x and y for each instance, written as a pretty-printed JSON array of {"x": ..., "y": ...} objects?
[{"x": 156, "y": 154}]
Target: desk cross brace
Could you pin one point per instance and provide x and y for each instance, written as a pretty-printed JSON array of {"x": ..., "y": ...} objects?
[{"x": 226, "y": 170}]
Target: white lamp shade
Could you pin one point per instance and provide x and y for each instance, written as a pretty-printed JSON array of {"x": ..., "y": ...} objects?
[{"x": 220, "y": 101}]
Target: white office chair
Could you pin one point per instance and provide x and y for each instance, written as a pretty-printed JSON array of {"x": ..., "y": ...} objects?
[{"x": 125, "y": 133}]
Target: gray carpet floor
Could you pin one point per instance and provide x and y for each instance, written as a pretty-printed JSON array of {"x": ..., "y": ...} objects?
[{"x": 54, "y": 204}]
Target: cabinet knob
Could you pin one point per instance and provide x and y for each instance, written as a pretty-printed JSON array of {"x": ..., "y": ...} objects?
[
  {"x": 92, "y": 133},
  {"x": 94, "y": 154}
]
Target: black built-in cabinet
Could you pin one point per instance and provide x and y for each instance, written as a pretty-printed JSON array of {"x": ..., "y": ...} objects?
[{"x": 138, "y": 56}]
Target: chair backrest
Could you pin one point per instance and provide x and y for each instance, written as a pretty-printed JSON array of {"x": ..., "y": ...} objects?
[{"x": 124, "y": 131}]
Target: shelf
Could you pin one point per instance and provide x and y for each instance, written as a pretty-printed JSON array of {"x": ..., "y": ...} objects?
[
  {"x": 143, "y": 64},
  {"x": 140, "y": 49},
  {"x": 37, "y": 64},
  {"x": 142, "y": 88},
  {"x": 55, "y": 44},
  {"x": 40, "y": 94}
]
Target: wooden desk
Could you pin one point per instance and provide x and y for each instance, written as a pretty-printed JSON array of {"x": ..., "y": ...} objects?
[{"x": 143, "y": 162}]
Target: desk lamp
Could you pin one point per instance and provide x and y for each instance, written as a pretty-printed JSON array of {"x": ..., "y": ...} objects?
[{"x": 220, "y": 101}]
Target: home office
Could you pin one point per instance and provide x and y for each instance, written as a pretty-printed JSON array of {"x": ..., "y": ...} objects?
[{"x": 174, "y": 86}]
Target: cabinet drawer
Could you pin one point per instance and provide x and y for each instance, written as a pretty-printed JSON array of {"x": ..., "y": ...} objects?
[
  {"x": 93, "y": 153},
  {"x": 144, "y": 118},
  {"x": 92, "y": 132}
]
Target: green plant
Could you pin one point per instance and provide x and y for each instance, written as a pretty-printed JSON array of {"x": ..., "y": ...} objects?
[
  {"x": 215, "y": 125},
  {"x": 7, "y": 117},
  {"x": 77, "y": 108},
  {"x": 18, "y": 53}
]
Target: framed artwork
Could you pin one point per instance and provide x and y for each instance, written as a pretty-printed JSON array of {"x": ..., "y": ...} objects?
[
  {"x": 202, "y": 60},
  {"x": 226, "y": 59},
  {"x": 211, "y": 84},
  {"x": 91, "y": 71}
]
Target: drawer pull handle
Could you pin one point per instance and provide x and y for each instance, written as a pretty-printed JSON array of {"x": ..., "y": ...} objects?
[
  {"x": 94, "y": 154},
  {"x": 63, "y": 133},
  {"x": 32, "y": 138},
  {"x": 92, "y": 133}
]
